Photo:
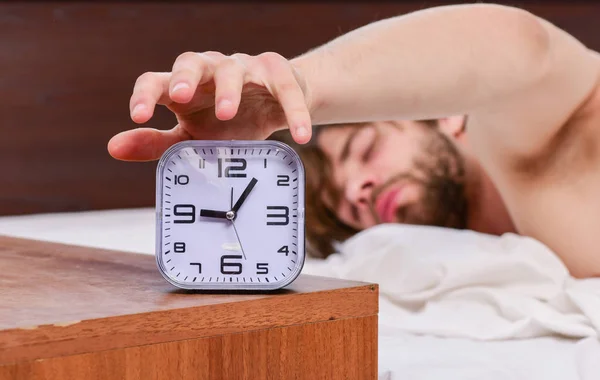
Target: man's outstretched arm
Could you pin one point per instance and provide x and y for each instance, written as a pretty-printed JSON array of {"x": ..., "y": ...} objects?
[
  {"x": 516, "y": 74},
  {"x": 518, "y": 78}
]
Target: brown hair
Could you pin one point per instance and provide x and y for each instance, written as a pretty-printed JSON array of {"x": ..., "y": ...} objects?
[{"x": 323, "y": 227}]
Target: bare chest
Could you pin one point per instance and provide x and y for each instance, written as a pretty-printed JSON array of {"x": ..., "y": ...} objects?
[{"x": 561, "y": 205}]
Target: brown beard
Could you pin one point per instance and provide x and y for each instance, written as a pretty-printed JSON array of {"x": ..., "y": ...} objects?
[{"x": 439, "y": 171}]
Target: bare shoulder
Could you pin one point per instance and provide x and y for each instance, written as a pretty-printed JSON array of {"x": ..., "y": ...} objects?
[
  {"x": 555, "y": 191},
  {"x": 576, "y": 145}
]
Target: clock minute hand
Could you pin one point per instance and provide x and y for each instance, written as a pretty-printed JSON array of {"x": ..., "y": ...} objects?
[
  {"x": 244, "y": 195},
  {"x": 214, "y": 214}
]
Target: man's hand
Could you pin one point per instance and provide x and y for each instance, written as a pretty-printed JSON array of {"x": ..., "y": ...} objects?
[{"x": 215, "y": 96}]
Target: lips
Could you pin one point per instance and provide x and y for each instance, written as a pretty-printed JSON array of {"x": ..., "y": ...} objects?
[{"x": 386, "y": 205}]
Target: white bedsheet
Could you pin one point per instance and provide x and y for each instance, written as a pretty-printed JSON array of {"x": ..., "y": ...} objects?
[
  {"x": 449, "y": 291},
  {"x": 453, "y": 305},
  {"x": 469, "y": 285}
]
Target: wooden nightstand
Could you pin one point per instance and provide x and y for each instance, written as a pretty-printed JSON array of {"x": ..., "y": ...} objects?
[{"x": 69, "y": 312}]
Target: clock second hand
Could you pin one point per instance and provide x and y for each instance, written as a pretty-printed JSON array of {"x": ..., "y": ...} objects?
[
  {"x": 233, "y": 224},
  {"x": 238, "y": 237}
]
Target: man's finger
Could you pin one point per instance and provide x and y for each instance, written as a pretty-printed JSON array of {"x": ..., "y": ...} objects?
[
  {"x": 189, "y": 70},
  {"x": 229, "y": 82},
  {"x": 285, "y": 88},
  {"x": 144, "y": 144},
  {"x": 150, "y": 89}
]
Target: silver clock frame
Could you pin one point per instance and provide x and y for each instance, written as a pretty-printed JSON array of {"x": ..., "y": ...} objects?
[{"x": 169, "y": 153}]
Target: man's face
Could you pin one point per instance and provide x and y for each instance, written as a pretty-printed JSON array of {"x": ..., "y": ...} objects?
[{"x": 395, "y": 172}]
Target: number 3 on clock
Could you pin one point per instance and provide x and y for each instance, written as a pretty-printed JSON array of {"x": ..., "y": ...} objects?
[{"x": 279, "y": 219}]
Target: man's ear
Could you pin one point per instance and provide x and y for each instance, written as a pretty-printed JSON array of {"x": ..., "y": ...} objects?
[{"x": 453, "y": 126}]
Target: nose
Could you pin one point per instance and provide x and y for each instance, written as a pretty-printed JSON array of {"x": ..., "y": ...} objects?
[{"x": 360, "y": 189}]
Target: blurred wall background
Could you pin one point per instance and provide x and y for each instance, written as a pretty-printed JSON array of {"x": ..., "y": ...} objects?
[{"x": 67, "y": 70}]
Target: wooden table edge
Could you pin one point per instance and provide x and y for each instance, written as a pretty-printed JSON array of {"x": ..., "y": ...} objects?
[{"x": 21, "y": 344}]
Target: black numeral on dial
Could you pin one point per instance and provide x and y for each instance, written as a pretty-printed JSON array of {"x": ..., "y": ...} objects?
[
  {"x": 179, "y": 247},
  {"x": 182, "y": 179},
  {"x": 240, "y": 166},
  {"x": 188, "y": 212},
  {"x": 262, "y": 268},
  {"x": 283, "y": 180},
  {"x": 284, "y": 249},
  {"x": 199, "y": 267},
  {"x": 282, "y": 218},
  {"x": 231, "y": 267}
]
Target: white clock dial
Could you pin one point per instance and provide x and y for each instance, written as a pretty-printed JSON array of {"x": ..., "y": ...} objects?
[{"x": 230, "y": 215}]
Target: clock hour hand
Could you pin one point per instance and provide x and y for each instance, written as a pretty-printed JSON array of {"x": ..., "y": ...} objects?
[
  {"x": 244, "y": 195},
  {"x": 214, "y": 214}
]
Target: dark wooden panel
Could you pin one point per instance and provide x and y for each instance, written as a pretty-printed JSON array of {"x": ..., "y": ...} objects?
[{"x": 68, "y": 69}]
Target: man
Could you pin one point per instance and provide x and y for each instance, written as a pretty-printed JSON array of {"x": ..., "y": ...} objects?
[
  {"x": 531, "y": 93},
  {"x": 414, "y": 172}
]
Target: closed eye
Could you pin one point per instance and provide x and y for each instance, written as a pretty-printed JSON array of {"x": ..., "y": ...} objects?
[{"x": 368, "y": 153}]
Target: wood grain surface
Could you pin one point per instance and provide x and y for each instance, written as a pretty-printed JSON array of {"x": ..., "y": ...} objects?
[
  {"x": 343, "y": 349},
  {"x": 58, "y": 300},
  {"x": 68, "y": 69}
]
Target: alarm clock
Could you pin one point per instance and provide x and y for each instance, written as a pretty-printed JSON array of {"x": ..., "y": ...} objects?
[{"x": 230, "y": 215}]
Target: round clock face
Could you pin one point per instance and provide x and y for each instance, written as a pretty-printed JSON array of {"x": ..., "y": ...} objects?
[{"x": 230, "y": 215}]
